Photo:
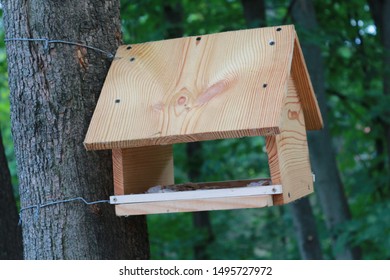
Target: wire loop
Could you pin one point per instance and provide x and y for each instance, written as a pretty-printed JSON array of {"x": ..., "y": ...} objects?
[{"x": 38, "y": 206}]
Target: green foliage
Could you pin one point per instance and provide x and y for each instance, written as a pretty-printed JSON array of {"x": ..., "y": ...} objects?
[
  {"x": 241, "y": 234},
  {"x": 172, "y": 236},
  {"x": 358, "y": 115},
  {"x": 144, "y": 20},
  {"x": 358, "y": 112}
]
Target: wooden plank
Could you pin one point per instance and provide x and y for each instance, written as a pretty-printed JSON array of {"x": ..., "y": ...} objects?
[
  {"x": 225, "y": 85},
  {"x": 136, "y": 169},
  {"x": 273, "y": 163},
  {"x": 196, "y": 194},
  {"x": 288, "y": 153},
  {"x": 257, "y": 201},
  {"x": 300, "y": 75}
]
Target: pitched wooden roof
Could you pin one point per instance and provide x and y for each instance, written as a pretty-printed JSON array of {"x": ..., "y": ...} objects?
[{"x": 224, "y": 85}]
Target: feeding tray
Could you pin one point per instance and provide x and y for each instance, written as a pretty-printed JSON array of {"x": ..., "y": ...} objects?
[{"x": 226, "y": 85}]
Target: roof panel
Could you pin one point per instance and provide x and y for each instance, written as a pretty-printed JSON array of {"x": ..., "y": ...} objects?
[
  {"x": 223, "y": 85},
  {"x": 300, "y": 75}
]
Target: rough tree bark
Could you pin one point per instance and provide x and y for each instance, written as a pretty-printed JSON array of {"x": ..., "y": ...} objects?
[
  {"x": 329, "y": 187},
  {"x": 53, "y": 95},
  {"x": 301, "y": 210},
  {"x": 201, "y": 220},
  {"x": 10, "y": 232}
]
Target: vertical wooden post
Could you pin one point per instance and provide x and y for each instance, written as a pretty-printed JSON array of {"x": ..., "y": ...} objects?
[
  {"x": 137, "y": 169},
  {"x": 273, "y": 163},
  {"x": 288, "y": 153}
]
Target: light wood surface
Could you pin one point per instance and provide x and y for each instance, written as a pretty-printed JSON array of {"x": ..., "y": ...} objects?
[
  {"x": 225, "y": 85},
  {"x": 288, "y": 154},
  {"x": 194, "y": 205},
  {"x": 137, "y": 169},
  {"x": 300, "y": 75}
]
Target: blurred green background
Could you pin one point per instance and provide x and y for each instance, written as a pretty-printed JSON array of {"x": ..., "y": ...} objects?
[{"x": 354, "y": 69}]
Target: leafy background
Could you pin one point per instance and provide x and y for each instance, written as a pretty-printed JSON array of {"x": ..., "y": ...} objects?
[{"x": 353, "y": 58}]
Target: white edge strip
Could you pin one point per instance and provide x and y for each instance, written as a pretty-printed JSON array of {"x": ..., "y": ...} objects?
[{"x": 196, "y": 194}]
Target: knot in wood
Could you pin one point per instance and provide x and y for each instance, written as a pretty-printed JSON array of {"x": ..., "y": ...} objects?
[
  {"x": 293, "y": 115},
  {"x": 182, "y": 100}
]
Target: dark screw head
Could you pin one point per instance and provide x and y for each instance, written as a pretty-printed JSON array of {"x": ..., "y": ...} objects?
[
  {"x": 272, "y": 43},
  {"x": 198, "y": 38},
  {"x": 132, "y": 59},
  {"x": 128, "y": 47},
  {"x": 265, "y": 85},
  {"x": 117, "y": 100},
  {"x": 278, "y": 29}
]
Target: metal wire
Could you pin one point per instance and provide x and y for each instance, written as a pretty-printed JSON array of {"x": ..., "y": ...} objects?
[
  {"x": 47, "y": 41},
  {"x": 39, "y": 206}
]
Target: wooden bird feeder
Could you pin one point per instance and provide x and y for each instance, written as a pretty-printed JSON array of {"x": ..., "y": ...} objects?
[{"x": 226, "y": 85}]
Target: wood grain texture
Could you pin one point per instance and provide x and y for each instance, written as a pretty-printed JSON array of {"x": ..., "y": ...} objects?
[
  {"x": 53, "y": 93},
  {"x": 225, "y": 85},
  {"x": 137, "y": 169},
  {"x": 288, "y": 154},
  {"x": 194, "y": 205},
  {"x": 273, "y": 163},
  {"x": 300, "y": 75}
]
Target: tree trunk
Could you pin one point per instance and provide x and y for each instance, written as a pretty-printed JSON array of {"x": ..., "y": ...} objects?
[
  {"x": 10, "y": 233},
  {"x": 306, "y": 229},
  {"x": 174, "y": 20},
  {"x": 53, "y": 95},
  {"x": 329, "y": 187},
  {"x": 380, "y": 11},
  {"x": 254, "y": 13}
]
